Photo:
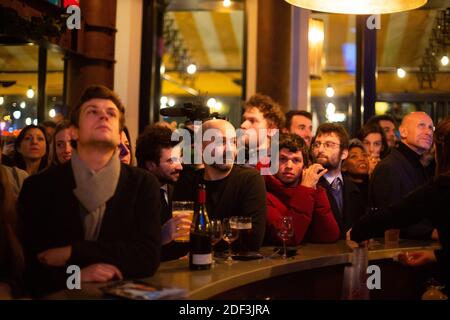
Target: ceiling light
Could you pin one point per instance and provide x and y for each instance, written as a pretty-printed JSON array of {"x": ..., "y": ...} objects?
[
  {"x": 359, "y": 6},
  {"x": 401, "y": 73},
  {"x": 17, "y": 114},
  {"x": 30, "y": 92},
  {"x": 329, "y": 91},
  {"x": 191, "y": 69}
]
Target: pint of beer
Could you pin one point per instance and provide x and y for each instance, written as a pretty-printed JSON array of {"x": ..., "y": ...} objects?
[
  {"x": 183, "y": 207},
  {"x": 244, "y": 226}
]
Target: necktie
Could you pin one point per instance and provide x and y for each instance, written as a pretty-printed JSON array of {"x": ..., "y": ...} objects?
[
  {"x": 165, "y": 210},
  {"x": 336, "y": 189}
]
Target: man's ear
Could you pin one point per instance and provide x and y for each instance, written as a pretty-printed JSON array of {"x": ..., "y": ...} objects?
[
  {"x": 74, "y": 132},
  {"x": 272, "y": 130},
  {"x": 403, "y": 132},
  {"x": 150, "y": 165},
  {"x": 344, "y": 154},
  {"x": 344, "y": 166}
]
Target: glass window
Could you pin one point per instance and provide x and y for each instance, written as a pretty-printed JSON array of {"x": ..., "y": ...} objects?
[
  {"x": 412, "y": 60},
  {"x": 55, "y": 108},
  {"x": 332, "y": 69},
  {"x": 203, "y": 57},
  {"x": 18, "y": 78}
]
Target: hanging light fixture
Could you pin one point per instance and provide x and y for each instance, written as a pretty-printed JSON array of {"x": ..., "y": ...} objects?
[
  {"x": 359, "y": 6},
  {"x": 329, "y": 91},
  {"x": 401, "y": 73},
  {"x": 30, "y": 92}
]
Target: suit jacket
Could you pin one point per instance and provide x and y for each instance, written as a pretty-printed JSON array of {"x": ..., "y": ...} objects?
[
  {"x": 353, "y": 204},
  {"x": 395, "y": 177},
  {"x": 130, "y": 234}
]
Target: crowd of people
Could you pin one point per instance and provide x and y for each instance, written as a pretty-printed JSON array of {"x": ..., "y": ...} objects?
[{"x": 80, "y": 196}]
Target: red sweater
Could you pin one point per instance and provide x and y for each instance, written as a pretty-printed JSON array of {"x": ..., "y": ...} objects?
[{"x": 310, "y": 210}]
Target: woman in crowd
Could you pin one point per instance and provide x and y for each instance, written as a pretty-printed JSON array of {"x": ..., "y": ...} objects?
[
  {"x": 11, "y": 254},
  {"x": 429, "y": 201},
  {"x": 31, "y": 149},
  {"x": 125, "y": 154},
  {"x": 62, "y": 143},
  {"x": 374, "y": 139},
  {"x": 293, "y": 192},
  {"x": 356, "y": 167}
]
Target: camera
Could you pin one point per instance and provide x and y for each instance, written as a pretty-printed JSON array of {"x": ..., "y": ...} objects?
[{"x": 193, "y": 112}]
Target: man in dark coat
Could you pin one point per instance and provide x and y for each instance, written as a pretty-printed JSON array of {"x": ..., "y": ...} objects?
[
  {"x": 92, "y": 212},
  {"x": 401, "y": 171}
]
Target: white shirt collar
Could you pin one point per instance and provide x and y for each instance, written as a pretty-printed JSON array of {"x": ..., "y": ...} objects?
[{"x": 330, "y": 177}]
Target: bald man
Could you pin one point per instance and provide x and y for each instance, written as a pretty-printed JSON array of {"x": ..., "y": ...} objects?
[
  {"x": 231, "y": 190},
  {"x": 401, "y": 171}
]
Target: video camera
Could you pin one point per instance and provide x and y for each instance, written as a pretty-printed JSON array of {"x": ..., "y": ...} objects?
[{"x": 191, "y": 111}]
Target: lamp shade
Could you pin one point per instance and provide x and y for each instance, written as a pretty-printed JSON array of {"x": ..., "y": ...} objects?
[{"x": 359, "y": 6}]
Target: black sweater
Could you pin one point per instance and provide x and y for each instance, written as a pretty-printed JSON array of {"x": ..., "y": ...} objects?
[
  {"x": 130, "y": 234},
  {"x": 241, "y": 193},
  {"x": 429, "y": 201}
]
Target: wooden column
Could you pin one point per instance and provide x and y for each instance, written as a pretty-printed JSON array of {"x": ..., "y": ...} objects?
[
  {"x": 93, "y": 61},
  {"x": 274, "y": 50}
]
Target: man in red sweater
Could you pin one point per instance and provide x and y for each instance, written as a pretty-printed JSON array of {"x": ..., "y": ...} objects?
[{"x": 293, "y": 191}]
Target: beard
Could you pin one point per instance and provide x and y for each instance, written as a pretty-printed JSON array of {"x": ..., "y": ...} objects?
[
  {"x": 170, "y": 178},
  {"x": 330, "y": 164},
  {"x": 222, "y": 167}
]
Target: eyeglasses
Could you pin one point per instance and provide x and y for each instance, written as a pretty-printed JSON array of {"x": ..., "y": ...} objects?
[{"x": 326, "y": 145}]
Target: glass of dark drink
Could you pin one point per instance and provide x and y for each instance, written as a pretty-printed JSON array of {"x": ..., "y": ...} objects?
[{"x": 244, "y": 226}]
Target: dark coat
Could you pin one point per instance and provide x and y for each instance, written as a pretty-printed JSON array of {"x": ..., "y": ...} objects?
[
  {"x": 130, "y": 234},
  {"x": 354, "y": 205},
  {"x": 430, "y": 201},
  {"x": 394, "y": 177}
]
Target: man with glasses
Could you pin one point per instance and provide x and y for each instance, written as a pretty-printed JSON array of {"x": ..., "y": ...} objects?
[
  {"x": 330, "y": 148},
  {"x": 401, "y": 171}
]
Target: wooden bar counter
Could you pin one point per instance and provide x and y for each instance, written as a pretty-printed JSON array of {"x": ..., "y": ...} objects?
[{"x": 315, "y": 272}]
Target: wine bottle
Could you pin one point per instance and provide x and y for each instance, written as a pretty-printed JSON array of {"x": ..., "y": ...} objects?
[{"x": 200, "y": 254}]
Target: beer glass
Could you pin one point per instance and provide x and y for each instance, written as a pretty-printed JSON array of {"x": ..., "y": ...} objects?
[
  {"x": 183, "y": 207},
  {"x": 244, "y": 226}
]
